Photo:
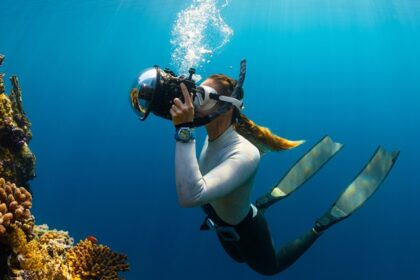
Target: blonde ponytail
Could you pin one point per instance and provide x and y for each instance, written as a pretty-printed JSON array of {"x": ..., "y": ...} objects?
[{"x": 262, "y": 137}]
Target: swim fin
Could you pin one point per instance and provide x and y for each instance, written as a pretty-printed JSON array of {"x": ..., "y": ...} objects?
[
  {"x": 301, "y": 171},
  {"x": 360, "y": 190}
]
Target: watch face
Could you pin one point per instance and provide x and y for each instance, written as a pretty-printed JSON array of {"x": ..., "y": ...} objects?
[{"x": 184, "y": 134}]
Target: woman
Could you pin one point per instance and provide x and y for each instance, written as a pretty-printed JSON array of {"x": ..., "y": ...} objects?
[{"x": 222, "y": 180}]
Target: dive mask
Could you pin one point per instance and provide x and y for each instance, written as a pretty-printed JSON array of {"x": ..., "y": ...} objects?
[{"x": 207, "y": 97}]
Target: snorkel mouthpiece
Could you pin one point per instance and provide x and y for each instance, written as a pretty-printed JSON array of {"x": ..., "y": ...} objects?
[{"x": 155, "y": 89}]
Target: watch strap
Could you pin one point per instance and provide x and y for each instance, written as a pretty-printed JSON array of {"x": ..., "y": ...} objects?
[{"x": 188, "y": 124}]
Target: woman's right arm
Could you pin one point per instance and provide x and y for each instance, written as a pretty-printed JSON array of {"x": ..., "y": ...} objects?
[
  {"x": 192, "y": 187},
  {"x": 195, "y": 189}
]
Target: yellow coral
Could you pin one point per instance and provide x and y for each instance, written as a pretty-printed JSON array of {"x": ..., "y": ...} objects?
[
  {"x": 6, "y": 111},
  {"x": 17, "y": 239},
  {"x": 54, "y": 269},
  {"x": 28, "y": 254},
  {"x": 39, "y": 260},
  {"x": 88, "y": 260},
  {"x": 32, "y": 257}
]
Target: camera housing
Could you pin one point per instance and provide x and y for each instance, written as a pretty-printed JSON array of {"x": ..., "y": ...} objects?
[{"x": 155, "y": 89}]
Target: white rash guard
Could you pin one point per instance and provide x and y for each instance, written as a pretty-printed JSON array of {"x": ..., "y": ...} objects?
[{"x": 223, "y": 178}]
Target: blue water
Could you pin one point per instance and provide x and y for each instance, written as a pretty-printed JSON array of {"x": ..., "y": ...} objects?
[{"x": 345, "y": 68}]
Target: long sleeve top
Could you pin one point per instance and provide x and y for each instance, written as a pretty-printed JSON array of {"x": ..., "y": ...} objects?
[{"x": 223, "y": 176}]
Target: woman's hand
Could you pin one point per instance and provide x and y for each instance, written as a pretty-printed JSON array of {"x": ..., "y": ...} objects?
[{"x": 182, "y": 112}]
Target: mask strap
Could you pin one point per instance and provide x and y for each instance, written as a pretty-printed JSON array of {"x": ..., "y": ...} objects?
[{"x": 235, "y": 102}]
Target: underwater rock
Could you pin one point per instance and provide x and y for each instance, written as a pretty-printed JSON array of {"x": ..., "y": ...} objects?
[{"x": 17, "y": 162}]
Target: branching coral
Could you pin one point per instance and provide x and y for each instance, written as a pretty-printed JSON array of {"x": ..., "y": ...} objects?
[
  {"x": 88, "y": 260},
  {"x": 15, "y": 204}
]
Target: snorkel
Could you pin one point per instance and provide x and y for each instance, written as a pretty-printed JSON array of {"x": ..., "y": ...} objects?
[{"x": 154, "y": 91}]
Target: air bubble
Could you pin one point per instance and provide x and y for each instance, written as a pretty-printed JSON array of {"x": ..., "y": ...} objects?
[{"x": 197, "y": 33}]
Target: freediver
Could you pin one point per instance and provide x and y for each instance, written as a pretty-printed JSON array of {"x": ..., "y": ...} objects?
[{"x": 221, "y": 180}]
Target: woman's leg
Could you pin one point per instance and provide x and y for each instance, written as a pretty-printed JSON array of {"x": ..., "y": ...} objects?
[
  {"x": 257, "y": 248},
  {"x": 231, "y": 248},
  {"x": 293, "y": 250}
]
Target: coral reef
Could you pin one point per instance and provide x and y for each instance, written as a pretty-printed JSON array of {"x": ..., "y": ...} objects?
[
  {"x": 51, "y": 255},
  {"x": 41, "y": 258},
  {"x": 88, "y": 260},
  {"x": 17, "y": 163},
  {"x": 29, "y": 251},
  {"x": 40, "y": 253},
  {"x": 15, "y": 204}
]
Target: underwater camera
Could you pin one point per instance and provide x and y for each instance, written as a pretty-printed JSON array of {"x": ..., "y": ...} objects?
[{"x": 155, "y": 89}]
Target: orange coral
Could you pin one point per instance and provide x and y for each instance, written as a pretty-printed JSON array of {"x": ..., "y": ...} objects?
[
  {"x": 88, "y": 260},
  {"x": 14, "y": 207}
]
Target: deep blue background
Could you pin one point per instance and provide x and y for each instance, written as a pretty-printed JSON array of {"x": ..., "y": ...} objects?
[{"x": 347, "y": 68}]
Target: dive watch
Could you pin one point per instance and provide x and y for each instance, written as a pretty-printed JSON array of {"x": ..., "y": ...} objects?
[{"x": 184, "y": 134}]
